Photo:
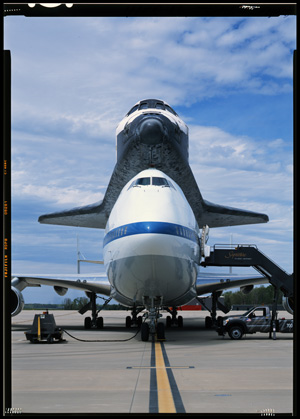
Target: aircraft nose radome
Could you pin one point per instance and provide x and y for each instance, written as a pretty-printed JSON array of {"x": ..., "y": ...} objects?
[{"x": 151, "y": 131}]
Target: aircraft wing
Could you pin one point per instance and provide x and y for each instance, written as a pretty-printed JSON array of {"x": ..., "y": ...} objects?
[
  {"x": 76, "y": 281},
  {"x": 208, "y": 283}
]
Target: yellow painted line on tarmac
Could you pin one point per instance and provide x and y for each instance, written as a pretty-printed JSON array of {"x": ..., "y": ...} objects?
[{"x": 164, "y": 393}]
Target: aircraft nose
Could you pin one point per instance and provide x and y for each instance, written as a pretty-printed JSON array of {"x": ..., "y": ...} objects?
[{"x": 151, "y": 131}]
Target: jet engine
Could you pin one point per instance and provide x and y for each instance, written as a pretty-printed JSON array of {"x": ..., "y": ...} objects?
[
  {"x": 16, "y": 301},
  {"x": 247, "y": 289},
  {"x": 288, "y": 304},
  {"x": 60, "y": 290}
]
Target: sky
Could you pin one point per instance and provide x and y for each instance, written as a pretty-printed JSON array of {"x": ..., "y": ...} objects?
[{"x": 73, "y": 79}]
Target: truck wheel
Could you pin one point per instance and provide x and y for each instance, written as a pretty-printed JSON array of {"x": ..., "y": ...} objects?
[{"x": 235, "y": 332}]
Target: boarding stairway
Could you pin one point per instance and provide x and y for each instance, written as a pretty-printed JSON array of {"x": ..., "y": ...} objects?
[{"x": 250, "y": 255}]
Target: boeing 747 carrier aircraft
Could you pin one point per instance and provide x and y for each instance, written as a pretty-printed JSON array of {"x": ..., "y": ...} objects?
[{"x": 154, "y": 215}]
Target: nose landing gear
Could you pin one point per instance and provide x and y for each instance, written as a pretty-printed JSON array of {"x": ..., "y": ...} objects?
[
  {"x": 153, "y": 327},
  {"x": 157, "y": 329}
]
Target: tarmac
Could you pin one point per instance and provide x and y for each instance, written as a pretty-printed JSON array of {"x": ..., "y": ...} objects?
[{"x": 112, "y": 371}]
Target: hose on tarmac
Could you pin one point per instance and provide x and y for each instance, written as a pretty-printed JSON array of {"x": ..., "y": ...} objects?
[{"x": 103, "y": 340}]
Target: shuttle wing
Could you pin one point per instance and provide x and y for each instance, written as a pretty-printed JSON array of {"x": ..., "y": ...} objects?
[
  {"x": 208, "y": 213},
  {"x": 93, "y": 216},
  {"x": 221, "y": 216}
]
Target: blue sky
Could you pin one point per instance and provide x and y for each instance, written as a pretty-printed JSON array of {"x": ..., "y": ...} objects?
[{"x": 73, "y": 79}]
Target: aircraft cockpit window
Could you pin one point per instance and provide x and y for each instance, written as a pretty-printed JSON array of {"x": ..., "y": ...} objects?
[
  {"x": 160, "y": 181},
  {"x": 143, "y": 181},
  {"x": 154, "y": 181}
]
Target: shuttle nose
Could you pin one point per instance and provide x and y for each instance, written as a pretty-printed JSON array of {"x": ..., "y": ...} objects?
[{"x": 151, "y": 131}]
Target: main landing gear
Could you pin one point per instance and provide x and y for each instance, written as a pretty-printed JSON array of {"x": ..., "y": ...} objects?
[
  {"x": 94, "y": 321},
  {"x": 212, "y": 320},
  {"x": 173, "y": 319},
  {"x": 134, "y": 319}
]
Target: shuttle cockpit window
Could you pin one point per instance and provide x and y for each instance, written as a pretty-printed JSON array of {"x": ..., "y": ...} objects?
[
  {"x": 135, "y": 108},
  {"x": 148, "y": 104},
  {"x": 160, "y": 105},
  {"x": 144, "y": 105},
  {"x": 168, "y": 108}
]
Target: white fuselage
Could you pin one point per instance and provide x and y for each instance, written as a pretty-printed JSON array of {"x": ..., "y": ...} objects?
[{"x": 151, "y": 244}]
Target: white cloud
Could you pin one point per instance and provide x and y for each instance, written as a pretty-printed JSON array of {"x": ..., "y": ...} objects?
[
  {"x": 98, "y": 61},
  {"x": 49, "y": 193},
  {"x": 61, "y": 195},
  {"x": 214, "y": 147}
]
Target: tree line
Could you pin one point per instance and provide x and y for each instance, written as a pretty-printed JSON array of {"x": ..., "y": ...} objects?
[
  {"x": 69, "y": 304},
  {"x": 259, "y": 295},
  {"x": 80, "y": 302}
]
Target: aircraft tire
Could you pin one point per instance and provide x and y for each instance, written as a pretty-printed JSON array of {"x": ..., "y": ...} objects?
[
  {"x": 99, "y": 323},
  {"x": 87, "y": 323},
  {"x": 160, "y": 331},
  {"x": 145, "y": 332},
  {"x": 219, "y": 321},
  {"x": 168, "y": 321},
  {"x": 128, "y": 322},
  {"x": 208, "y": 322},
  {"x": 180, "y": 321}
]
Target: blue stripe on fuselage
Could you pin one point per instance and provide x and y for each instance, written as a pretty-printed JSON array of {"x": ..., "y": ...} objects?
[{"x": 154, "y": 227}]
